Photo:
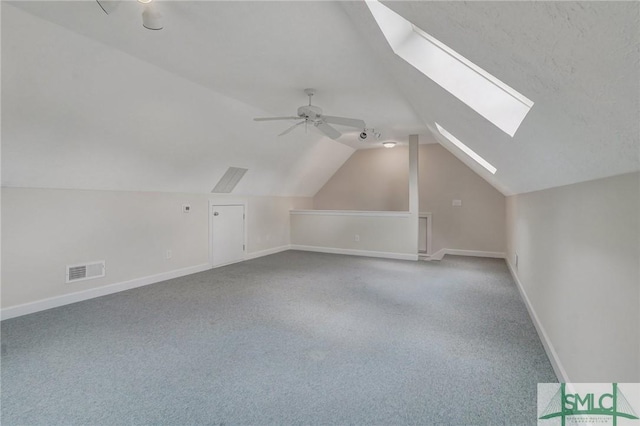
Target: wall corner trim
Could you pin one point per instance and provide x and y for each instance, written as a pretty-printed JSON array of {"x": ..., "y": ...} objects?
[
  {"x": 558, "y": 368},
  {"x": 266, "y": 252},
  {"x": 78, "y": 296},
  {"x": 353, "y": 252},
  {"x": 437, "y": 255}
]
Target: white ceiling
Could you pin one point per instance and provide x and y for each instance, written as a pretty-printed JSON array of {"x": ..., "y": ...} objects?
[{"x": 98, "y": 102}]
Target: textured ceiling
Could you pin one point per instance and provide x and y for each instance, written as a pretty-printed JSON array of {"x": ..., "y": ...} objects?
[{"x": 98, "y": 102}]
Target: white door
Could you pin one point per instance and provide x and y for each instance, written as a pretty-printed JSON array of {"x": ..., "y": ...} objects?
[{"x": 226, "y": 234}]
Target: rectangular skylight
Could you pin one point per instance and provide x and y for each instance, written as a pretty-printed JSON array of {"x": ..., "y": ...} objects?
[
  {"x": 488, "y": 96},
  {"x": 471, "y": 153}
]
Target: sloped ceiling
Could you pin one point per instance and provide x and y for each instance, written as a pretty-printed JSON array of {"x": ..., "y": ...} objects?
[
  {"x": 577, "y": 61},
  {"x": 98, "y": 102}
]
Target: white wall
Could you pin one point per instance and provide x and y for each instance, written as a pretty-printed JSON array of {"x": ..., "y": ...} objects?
[
  {"x": 578, "y": 252},
  {"x": 43, "y": 230},
  {"x": 388, "y": 234},
  {"x": 268, "y": 221}
]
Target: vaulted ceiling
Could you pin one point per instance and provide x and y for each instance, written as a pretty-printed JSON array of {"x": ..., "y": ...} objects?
[{"x": 96, "y": 101}]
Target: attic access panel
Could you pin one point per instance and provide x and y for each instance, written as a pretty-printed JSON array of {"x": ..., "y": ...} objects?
[{"x": 229, "y": 180}]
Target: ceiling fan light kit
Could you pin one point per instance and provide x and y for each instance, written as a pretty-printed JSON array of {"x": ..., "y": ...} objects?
[
  {"x": 311, "y": 114},
  {"x": 151, "y": 18}
]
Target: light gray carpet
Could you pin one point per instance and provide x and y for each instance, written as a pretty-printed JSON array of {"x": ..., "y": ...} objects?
[{"x": 293, "y": 338}]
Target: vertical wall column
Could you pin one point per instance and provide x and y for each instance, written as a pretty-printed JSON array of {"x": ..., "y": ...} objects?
[{"x": 414, "y": 190}]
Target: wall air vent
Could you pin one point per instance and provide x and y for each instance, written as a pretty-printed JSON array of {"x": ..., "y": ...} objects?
[
  {"x": 85, "y": 271},
  {"x": 229, "y": 180}
]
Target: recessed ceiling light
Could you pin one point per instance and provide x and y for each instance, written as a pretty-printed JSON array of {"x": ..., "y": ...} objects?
[
  {"x": 491, "y": 98},
  {"x": 471, "y": 153},
  {"x": 388, "y": 144}
]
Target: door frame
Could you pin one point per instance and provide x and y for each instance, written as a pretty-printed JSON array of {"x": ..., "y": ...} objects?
[{"x": 212, "y": 204}]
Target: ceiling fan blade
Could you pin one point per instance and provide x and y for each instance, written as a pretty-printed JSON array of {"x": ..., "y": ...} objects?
[
  {"x": 108, "y": 6},
  {"x": 343, "y": 121},
  {"x": 275, "y": 118},
  {"x": 291, "y": 128},
  {"x": 328, "y": 130}
]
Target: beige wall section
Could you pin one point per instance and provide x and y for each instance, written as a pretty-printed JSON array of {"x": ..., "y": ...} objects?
[
  {"x": 479, "y": 224},
  {"x": 43, "y": 230},
  {"x": 371, "y": 179},
  {"x": 578, "y": 252},
  {"x": 377, "y": 179}
]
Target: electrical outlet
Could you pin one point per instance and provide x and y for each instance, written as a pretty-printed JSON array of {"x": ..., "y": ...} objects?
[
  {"x": 356, "y": 238},
  {"x": 169, "y": 254},
  {"x": 456, "y": 203}
]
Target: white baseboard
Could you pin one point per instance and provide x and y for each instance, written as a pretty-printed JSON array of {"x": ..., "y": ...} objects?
[
  {"x": 561, "y": 373},
  {"x": 255, "y": 255},
  {"x": 353, "y": 252},
  {"x": 65, "y": 299},
  {"x": 476, "y": 253},
  {"x": 267, "y": 252},
  {"x": 54, "y": 302}
]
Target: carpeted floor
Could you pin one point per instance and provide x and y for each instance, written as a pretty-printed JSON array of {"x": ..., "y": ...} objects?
[{"x": 292, "y": 338}]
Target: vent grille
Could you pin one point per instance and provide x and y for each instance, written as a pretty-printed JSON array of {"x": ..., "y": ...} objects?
[
  {"x": 229, "y": 180},
  {"x": 85, "y": 271}
]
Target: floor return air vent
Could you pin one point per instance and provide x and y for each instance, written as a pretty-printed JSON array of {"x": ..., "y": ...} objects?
[{"x": 85, "y": 271}]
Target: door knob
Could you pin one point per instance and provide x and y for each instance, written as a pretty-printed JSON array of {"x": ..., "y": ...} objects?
[{"x": 216, "y": 213}]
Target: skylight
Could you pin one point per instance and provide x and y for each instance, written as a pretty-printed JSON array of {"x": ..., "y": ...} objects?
[
  {"x": 471, "y": 153},
  {"x": 494, "y": 100}
]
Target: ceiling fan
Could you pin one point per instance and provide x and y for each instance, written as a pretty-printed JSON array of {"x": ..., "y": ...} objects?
[
  {"x": 311, "y": 114},
  {"x": 151, "y": 17}
]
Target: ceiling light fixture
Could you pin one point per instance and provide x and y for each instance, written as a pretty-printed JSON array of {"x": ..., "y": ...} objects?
[
  {"x": 388, "y": 144},
  {"x": 145, "y": 1}
]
